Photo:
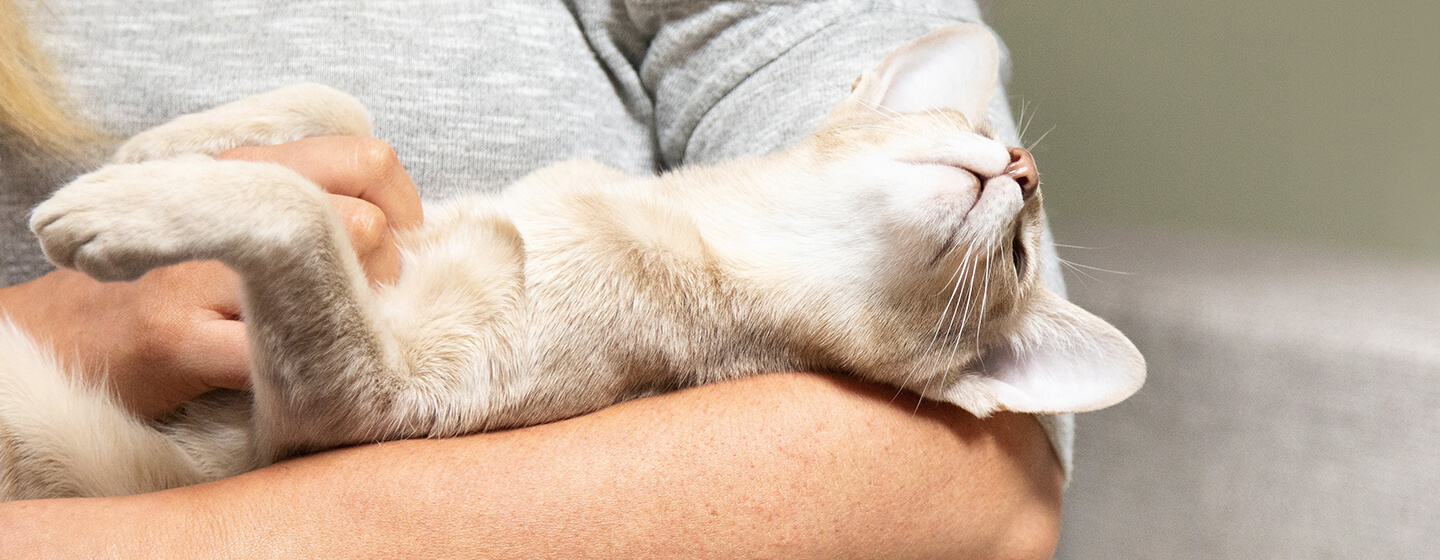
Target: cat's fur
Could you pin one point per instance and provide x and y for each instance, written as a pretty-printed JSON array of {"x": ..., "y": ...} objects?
[{"x": 890, "y": 244}]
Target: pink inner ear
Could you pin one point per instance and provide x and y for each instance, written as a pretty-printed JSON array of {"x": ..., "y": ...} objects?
[
  {"x": 1064, "y": 359},
  {"x": 955, "y": 67},
  {"x": 1042, "y": 381}
]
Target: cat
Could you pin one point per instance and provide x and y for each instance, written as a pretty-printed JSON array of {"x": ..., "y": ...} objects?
[{"x": 897, "y": 243}]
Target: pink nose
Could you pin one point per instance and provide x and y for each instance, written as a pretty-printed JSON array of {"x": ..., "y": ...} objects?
[{"x": 1022, "y": 169}]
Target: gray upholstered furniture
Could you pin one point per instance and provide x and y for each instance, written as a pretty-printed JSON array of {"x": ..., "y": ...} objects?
[{"x": 1292, "y": 408}]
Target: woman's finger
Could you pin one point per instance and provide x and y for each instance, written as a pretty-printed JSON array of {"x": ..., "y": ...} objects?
[
  {"x": 217, "y": 354},
  {"x": 373, "y": 241},
  {"x": 364, "y": 168}
]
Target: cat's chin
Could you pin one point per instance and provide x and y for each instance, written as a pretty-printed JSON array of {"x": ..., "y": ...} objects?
[
  {"x": 952, "y": 214},
  {"x": 984, "y": 225}
]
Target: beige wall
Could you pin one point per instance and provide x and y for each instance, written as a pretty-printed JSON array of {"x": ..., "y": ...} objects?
[{"x": 1304, "y": 120}]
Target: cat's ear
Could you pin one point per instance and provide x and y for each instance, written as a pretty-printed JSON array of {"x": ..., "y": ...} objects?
[
  {"x": 1062, "y": 359},
  {"x": 954, "y": 67}
]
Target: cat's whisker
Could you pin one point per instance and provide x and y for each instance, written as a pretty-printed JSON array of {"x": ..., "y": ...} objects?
[
  {"x": 969, "y": 298},
  {"x": 1024, "y": 124},
  {"x": 970, "y": 261},
  {"x": 954, "y": 290},
  {"x": 883, "y": 111},
  {"x": 967, "y": 264},
  {"x": 512, "y": 304},
  {"x": 880, "y": 109},
  {"x": 933, "y": 337},
  {"x": 946, "y": 364},
  {"x": 965, "y": 319},
  {"x": 943, "y": 116},
  {"x": 1062, "y": 245},
  {"x": 980, "y": 314},
  {"x": 984, "y": 297},
  {"x": 1037, "y": 141},
  {"x": 1095, "y": 268},
  {"x": 1083, "y": 274}
]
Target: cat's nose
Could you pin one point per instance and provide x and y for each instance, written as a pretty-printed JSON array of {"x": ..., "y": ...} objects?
[{"x": 1022, "y": 170}]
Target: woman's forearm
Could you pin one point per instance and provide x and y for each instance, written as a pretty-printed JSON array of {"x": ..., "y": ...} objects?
[{"x": 792, "y": 466}]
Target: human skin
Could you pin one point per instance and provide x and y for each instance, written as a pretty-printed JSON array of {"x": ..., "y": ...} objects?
[
  {"x": 787, "y": 465},
  {"x": 175, "y": 333},
  {"x": 775, "y": 466}
]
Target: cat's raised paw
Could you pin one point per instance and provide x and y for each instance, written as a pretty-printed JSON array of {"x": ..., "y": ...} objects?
[
  {"x": 275, "y": 117},
  {"x": 114, "y": 224}
]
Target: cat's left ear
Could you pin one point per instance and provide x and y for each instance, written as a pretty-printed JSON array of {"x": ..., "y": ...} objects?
[
  {"x": 1062, "y": 359},
  {"x": 954, "y": 67}
]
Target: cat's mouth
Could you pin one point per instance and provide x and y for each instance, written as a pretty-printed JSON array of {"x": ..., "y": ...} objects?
[
  {"x": 989, "y": 223},
  {"x": 947, "y": 247}
]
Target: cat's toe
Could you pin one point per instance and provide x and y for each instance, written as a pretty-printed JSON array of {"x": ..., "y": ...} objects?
[
  {"x": 60, "y": 225},
  {"x": 73, "y": 238},
  {"x": 106, "y": 261},
  {"x": 57, "y": 240},
  {"x": 92, "y": 226}
]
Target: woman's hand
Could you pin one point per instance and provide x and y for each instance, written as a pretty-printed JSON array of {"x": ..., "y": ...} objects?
[
  {"x": 367, "y": 186},
  {"x": 175, "y": 333}
]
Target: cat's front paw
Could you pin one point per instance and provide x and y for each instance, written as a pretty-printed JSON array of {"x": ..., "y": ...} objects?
[
  {"x": 275, "y": 117},
  {"x": 126, "y": 219},
  {"x": 114, "y": 224}
]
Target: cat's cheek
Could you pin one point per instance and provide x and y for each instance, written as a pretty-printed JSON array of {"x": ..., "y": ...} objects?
[{"x": 927, "y": 200}]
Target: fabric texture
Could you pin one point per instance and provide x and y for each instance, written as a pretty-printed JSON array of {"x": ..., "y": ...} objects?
[
  {"x": 475, "y": 94},
  {"x": 1290, "y": 410}
]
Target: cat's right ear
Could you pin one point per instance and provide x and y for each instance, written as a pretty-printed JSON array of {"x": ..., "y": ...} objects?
[
  {"x": 1060, "y": 359},
  {"x": 954, "y": 67}
]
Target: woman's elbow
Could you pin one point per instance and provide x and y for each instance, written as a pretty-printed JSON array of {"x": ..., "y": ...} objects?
[{"x": 1032, "y": 535}]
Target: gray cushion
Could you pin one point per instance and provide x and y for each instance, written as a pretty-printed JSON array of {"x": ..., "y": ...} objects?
[{"x": 1292, "y": 408}]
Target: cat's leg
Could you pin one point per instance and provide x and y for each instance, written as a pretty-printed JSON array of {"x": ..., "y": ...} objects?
[
  {"x": 283, "y": 115},
  {"x": 60, "y": 438},
  {"x": 323, "y": 374}
]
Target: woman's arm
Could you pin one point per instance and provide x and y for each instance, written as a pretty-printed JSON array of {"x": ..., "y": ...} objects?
[
  {"x": 720, "y": 80},
  {"x": 175, "y": 333},
  {"x": 788, "y": 466}
]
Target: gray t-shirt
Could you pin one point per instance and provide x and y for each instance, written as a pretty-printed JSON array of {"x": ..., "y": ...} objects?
[{"x": 475, "y": 94}]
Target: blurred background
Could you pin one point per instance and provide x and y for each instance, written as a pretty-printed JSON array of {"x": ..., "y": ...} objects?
[{"x": 1251, "y": 191}]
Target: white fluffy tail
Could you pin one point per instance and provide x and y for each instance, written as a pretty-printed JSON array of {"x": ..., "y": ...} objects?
[{"x": 61, "y": 438}]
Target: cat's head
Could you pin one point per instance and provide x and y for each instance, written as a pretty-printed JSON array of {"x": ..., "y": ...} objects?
[{"x": 956, "y": 284}]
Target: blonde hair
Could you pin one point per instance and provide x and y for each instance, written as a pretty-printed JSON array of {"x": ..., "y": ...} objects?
[{"x": 31, "y": 106}]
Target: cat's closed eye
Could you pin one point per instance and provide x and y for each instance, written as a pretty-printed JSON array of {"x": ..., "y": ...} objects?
[{"x": 1017, "y": 253}]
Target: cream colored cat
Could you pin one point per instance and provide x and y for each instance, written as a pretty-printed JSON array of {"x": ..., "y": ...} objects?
[{"x": 891, "y": 244}]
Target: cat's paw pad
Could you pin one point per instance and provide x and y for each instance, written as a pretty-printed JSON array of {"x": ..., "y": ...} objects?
[{"x": 111, "y": 224}]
